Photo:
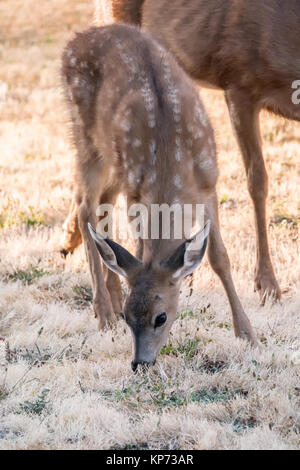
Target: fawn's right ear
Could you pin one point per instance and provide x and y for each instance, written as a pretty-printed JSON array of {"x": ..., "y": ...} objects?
[
  {"x": 114, "y": 256},
  {"x": 188, "y": 255}
]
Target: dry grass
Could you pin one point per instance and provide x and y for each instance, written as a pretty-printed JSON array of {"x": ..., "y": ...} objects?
[{"x": 63, "y": 384}]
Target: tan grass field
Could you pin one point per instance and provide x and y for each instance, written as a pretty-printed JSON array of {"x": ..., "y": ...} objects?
[{"x": 63, "y": 384}]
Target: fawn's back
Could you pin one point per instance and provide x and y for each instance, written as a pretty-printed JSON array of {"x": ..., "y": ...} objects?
[{"x": 139, "y": 113}]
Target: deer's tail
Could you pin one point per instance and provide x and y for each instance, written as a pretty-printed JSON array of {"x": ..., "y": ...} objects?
[
  {"x": 119, "y": 11},
  {"x": 127, "y": 11}
]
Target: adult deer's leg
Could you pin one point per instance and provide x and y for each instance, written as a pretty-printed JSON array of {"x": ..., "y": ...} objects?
[
  {"x": 219, "y": 261},
  {"x": 88, "y": 200},
  {"x": 244, "y": 116},
  {"x": 72, "y": 236}
]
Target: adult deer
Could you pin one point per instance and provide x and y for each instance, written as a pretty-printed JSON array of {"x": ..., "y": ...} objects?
[
  {"x": 250, "y": 49},
  {"x": 140, "y": 128}
]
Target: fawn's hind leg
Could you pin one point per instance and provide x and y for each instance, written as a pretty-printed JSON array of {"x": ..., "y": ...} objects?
[{"x": 219, "y": 261}]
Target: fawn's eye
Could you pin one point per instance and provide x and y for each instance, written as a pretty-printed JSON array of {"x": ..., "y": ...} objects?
[
  {"x": 122, "y": 315},
  {"x": 160, "y": 320}
]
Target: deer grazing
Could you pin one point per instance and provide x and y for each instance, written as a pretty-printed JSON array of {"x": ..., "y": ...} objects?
[
  {"x": 250, "y": 49},
  {"x": 140, "y": 129}
]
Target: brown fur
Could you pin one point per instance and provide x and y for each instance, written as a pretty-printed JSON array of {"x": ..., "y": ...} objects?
[
  {"x": 250, "y": 49},
  {"x": 131, "y": 105}
]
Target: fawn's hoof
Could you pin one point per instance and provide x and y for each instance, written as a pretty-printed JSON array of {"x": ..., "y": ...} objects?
[
  {"x": 106, "y": 323},
  {"x": 116, "y": 304},
  {"x": 105, "y": 314}
]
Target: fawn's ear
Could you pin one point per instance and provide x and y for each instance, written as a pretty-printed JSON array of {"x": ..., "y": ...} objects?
[
  {"x": 114, "y": 256},
  {"x": 188, "y": 255}
]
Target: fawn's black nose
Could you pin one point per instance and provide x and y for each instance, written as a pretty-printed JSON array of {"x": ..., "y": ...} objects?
[
  {"x": 145, "y": 365},
  {"x": 134, "y": 365}
]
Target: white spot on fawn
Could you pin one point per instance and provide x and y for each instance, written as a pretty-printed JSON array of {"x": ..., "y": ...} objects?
[
  {"x": 178, "y": 155},
  {"x": 200, "y": 114},
  {"x": 205, "y": 161},
  {"x": 152, "y": 178},
  {"x": 211, "y": 144},
  {"x": 199, "y": 134},
  {"x": 204, "y": 155},
  {"x": 174, "y": 99},
  {"x": 125, "y": 125},
  {"x": 178, "y": 152},
  {"x": 148, "y": 99},
  {"x": 137, "y": 143},
  {"x": 206, "y": 164},
  {"x": 131, "y": 177},
  {"x": 177, "y": 182},
  {"x": 176, "y": 201},
  {"x": 152, "y": 148},
  {"x": 129, "y": 61}
]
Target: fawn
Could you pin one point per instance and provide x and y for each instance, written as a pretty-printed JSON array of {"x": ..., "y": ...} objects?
[
  {"x": 251, "y": 50},
  {"x": 140, "y": 129}
]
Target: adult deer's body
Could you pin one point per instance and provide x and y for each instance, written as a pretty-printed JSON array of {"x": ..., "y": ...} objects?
[
  {"x": 250, "y": 49},
  {"x": 140, "y": 129}
]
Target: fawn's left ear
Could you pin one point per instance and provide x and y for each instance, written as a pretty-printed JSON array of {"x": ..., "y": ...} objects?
[
  {"x": 189, "y": 255},
  {"x": 114, "y": 256}
]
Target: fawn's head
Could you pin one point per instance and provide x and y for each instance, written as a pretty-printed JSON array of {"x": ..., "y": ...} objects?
[{"x": 151, "y": 304}]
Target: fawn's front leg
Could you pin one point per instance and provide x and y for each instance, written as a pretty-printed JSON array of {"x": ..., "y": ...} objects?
[
  {"x": 113, "y": 283},
  {"x": 87, "y": 204},
  {"x": 72, "y": 239}
]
